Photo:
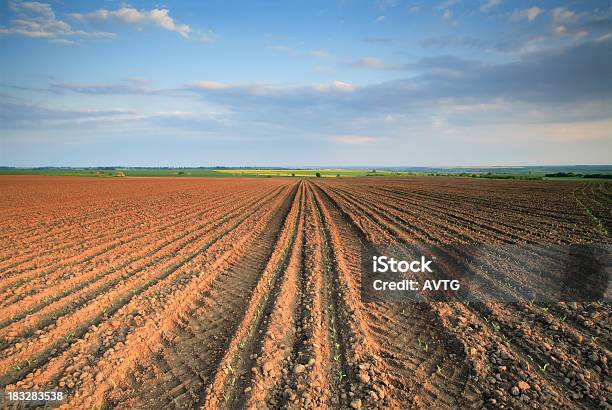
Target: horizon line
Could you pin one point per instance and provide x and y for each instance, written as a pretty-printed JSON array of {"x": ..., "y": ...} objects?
[{"x": 300, "y": 166}]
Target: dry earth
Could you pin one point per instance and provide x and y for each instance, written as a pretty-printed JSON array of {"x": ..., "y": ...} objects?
[{"x": 225, "y": 293}]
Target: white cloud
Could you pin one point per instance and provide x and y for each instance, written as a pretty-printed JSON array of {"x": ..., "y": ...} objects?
[
  {"x": 172, "y": 114},
  {"x": 379, "y": 19},
  {"x": 355, "y": 139},
  {"x": 37, "y": 20},
  {"x": 533, "y": 12},
  {"x": 209, "y": 85},
  {"x": 489, "y": 5},
  {"x": 445, "y": 8},
  {"x": 261, "y": 90},
  {"x": 529, "y": 14},
  {"x": 285, "y": 49},
  {"x": 290, "y": 51},
  {"x": 580, "y": 35},
  {"x": 249, "y": 89},
  {"x": 319, "y": 54},
  {"x": 159, "y": 17},
  {"x": 44, "y": 10},
  {"x": 370, "y": 62},
  {"x": 63, "y": 41},
  {"x": 205, "y": 36},
  {"x": 447, "y": 3},
  {"x": 560, "y": 30},
  {"x": 472, "y": 84},
  {"x": 375, "y": 63},
  {"x": 561, "y": 15},
  {"x": 533, "y": 45},
  {"x": 605, "y": 37},
  {"x": 568, "y": 131},
  {"x": 335, "y": 86},
  {"x": 384, "y": 5},
  {"x": 134, "y": 86}
]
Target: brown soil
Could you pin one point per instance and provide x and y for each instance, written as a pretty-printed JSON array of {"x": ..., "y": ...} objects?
[{"x": 231, "y": 293}]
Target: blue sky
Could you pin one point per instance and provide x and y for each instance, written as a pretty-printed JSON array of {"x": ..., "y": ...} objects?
[{"x": 305, "y": 83}]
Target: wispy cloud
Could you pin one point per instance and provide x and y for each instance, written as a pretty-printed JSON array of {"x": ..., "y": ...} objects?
[
  {"x": 18, "y": 114},
  {"x": 376, "y": 63},
  {"x": 454, "y": 41},
  {"x": 275, "y": 104},
  {"x": 285, "y": 50},
  {"x": 319, "y": 54},
  {"x": 384, "y": 5},
  {"x": 414, "y": 8},
  {"x": 132, "y": 86},
  {"x": 462, "y": 91},
  {"x": 355, "y": 139},
  {"x": 209, "y": 85},
  {"x": 294, "y": 52},
  {"x": 445, "y": 7},
  {"x": 605, "y": 37},
  {"x": 267, "y": 90},
  {"x": 562, "y": 15},
  {"x": 334, "y": 86},
  {"x": 489, "y": 5},
  {"x": 580, "y": 25},
  {"x": 379, "y": 40},
  {"x": 63, "y": 41},
  {"x": 529, "y": 14},
  {"x": 158, "y": 17},
  {"x": 527, "y": 80},
  {"x": 38, "y": 20},
  {"x": 342, "y": 90}
]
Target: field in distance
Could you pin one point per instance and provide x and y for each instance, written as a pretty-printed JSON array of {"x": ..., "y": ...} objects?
[
  {"x": 567, "y": 173},
  {"x": 309, "y": 173},
  {"x": 200, "y": 172}
]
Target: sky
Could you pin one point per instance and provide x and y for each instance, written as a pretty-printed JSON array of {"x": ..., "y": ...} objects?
[{"x": 305, "y": 83}]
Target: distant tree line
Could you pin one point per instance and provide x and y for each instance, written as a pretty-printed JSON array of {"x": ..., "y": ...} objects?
[{"x": 574, "y": 175}]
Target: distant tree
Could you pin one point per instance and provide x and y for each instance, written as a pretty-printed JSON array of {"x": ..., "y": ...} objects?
[
  {"x": 318, "y": 174},
  {"x": 293, "y": 174},
  {"x": 562, "y": 175},
  {"x": 337, "y": 175},
  {"x": 603, "y": 176}
]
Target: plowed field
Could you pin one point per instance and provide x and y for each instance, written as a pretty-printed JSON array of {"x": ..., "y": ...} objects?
[{"x": 231, "y": 293}]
